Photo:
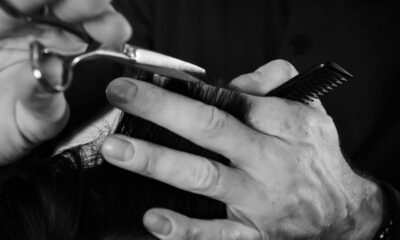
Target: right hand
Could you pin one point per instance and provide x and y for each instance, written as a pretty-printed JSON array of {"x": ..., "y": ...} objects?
[{"x": 30, "y": 114}]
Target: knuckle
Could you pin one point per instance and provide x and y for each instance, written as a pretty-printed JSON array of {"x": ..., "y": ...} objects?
[
  {"x": 147, "y": 168},
  {"x": 230, "y": 233},
  {"x": 308, "y": 121},
  {"x": 326, "y": 129},
  {"x": 327, "y": 122},
  {"x": 306, "y": 152},
  {"x": 299, "y": 116},
  {"x": 213, "y": 121},
  {"x": 221, "y": 230},
  {"x": 147, "y": 164},
  {"x": 205, "y": 177},
  {"x": 193, "y": 233}
]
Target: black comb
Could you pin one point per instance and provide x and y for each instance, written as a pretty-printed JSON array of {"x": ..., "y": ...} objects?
[{"x": 313, "y": 83}]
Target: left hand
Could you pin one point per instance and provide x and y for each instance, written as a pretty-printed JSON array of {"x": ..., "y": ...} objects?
[{"x": 291, "y": 180}]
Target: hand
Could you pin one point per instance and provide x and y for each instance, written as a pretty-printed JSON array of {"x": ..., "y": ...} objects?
[
  {"x": 29, "y": 113},
  {"x": 290, "y": 179}
]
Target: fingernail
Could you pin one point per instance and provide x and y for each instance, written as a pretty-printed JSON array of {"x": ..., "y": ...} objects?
[
  {"x": 157, "y": 224},
  {"x": 118, "y": 149},
  {"x": 121, "y": 91}
]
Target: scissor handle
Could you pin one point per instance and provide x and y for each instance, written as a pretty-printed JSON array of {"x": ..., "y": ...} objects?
[
  {"x": 39, "y": 57},
  {"x": 46, "y": 16}
]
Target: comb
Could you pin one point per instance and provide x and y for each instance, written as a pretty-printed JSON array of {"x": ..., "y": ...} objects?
[{"x": 313, "y": 83}]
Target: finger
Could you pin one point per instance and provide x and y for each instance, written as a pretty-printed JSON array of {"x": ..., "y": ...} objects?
[
  {"x": 78, "y": 10},
  {"x": 202, "y": 124},
  {"x": 109, "y": 28},
  {"x": 266, "y": 78},
  {"x": 8, "y": 22},
  {"x": 24, "y": 6},
  {"x": 40, "y": 114},
  {"x": 169, "y": 225},
  {"x": 182, "y": 170}
]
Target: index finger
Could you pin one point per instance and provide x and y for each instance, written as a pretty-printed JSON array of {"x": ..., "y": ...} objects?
[
  {"x": 8, "y": 22},
  {"x": 202, "y": 124},
  {"x": 23, "y": 6}
]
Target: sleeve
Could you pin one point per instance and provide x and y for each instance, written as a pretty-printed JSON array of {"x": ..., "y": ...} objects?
[{"x": 390, "y": 228}]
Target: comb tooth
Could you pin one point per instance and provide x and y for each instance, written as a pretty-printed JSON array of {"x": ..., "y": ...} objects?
[
  {"x": 341, "y": 80},
  {"x": 309, "y": 98},
  {"x": 320, "y": 89},
  {"x": 313, "y": 95},
  {"x": 301, "y": 98},
  {"x": 329, "y": 80},
  {"x": 322, "y": 84},
  {"x": 315, "y": 82},
  {"x": 332, "y": 76},
  {"x": 327, "y": 86},
  {"x": 319, "y": 93},
  {"x": 310, "y": 92},
  {"x": 338, "y": 76},
  {"x": 334, "y": 85},
  {"x": 313, "y": 85},
  {"x": 316, "y": 93},
  {"x": 338, "y": 82}
]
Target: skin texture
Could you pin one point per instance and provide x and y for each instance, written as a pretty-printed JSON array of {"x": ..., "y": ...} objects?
[
  {"x": 290, "y": 179},
  {"x": 34, "y": 115}
]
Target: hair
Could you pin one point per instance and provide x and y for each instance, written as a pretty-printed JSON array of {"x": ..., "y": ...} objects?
[{"x": 77, "y": 195}]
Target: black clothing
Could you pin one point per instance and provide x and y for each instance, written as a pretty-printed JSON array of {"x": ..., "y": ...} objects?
[{"x": 232, "y": 37}]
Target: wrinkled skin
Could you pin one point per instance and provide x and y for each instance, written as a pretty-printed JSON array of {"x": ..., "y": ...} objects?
[{"x": 290, "y": 179}]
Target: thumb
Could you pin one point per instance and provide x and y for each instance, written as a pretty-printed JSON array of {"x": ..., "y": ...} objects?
[
  {"x": 40, "y": 114},
  {"x": 169, "y": 225},
  {"x": 266, "y": 78}
]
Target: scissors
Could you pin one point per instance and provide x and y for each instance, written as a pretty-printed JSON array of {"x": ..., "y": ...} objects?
[{"x": 149, "y": 61}]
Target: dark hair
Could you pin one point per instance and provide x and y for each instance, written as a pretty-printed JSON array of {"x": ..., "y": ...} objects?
[{"x": 77, "y": 195}]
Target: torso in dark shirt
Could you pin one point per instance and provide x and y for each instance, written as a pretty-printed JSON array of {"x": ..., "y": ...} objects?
[{"x": 232, "y": 37}]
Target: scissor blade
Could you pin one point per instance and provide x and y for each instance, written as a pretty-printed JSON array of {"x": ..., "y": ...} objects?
[
  {"x": 150, "y": 58},
  {"x": 147, "y": 60},
  {"x": 168, "y": 72}
]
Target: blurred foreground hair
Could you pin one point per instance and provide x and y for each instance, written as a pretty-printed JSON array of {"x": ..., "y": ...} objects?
[{"x": 77, "y": 195}]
